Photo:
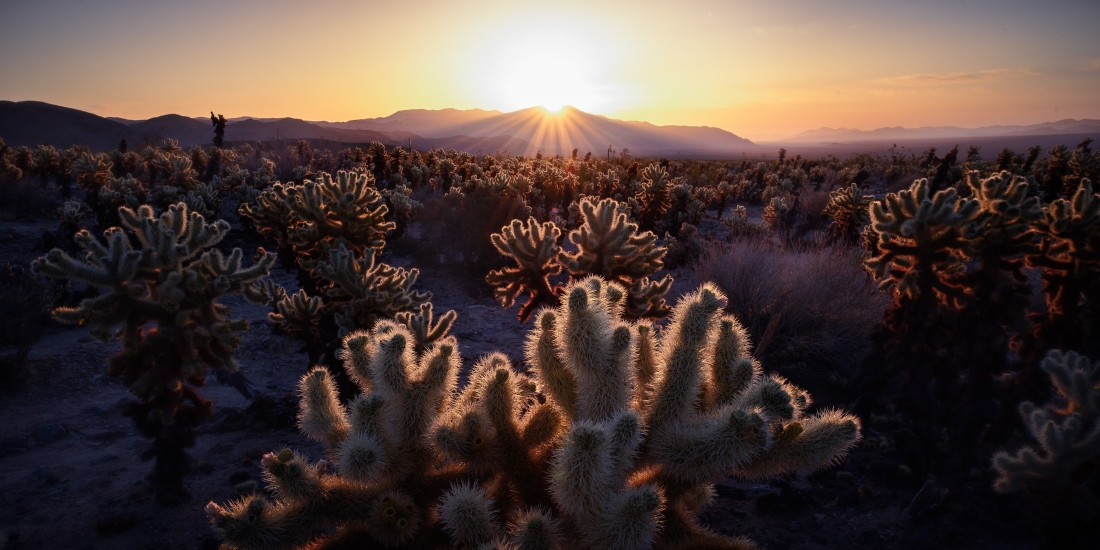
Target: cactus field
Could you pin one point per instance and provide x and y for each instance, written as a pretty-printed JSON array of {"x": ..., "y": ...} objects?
[{"x": 282, "y": 345}]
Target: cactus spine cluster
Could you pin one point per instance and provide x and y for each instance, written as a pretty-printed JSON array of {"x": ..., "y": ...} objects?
[
  {"x": 614, "y": 441},
  {"x": 173, "y": 283}
]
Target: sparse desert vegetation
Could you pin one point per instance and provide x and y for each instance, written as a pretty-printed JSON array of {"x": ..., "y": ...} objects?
[{"x": 646, "y": 383}]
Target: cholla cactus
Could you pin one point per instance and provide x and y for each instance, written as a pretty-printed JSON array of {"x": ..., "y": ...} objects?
[
  {"x": 615, "y": 442},
  {"x": 685, "y": 207},
  {"x": 425, "y": 330},
  {"x": 535, "y": 249},
  {"x": 920, "y": 240},
  {"x": 91, "y": 172},
  {"x": 71, "y": 213},
  {"x": 652, "y": 199},
  {"x": 918, "y": 247},
  {"x": 610, "y": 246},
  {"x": 848, "y": 209},
  {"x": 361, "y": 292},
  {"x": 172, "y": 282},
  {"x": 328, "y": 213},
  {"x": 776, "y": 213},
  {"x": 1070, "y": 259},
  {"x": 269, "y": 213},
  {"x": 998, "y": 300},
  {"x": 1067, "y": 430},
  {"x": 404, "y": 208}
]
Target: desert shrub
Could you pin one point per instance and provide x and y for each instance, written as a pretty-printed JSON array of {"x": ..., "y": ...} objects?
[
  {"x": 614, "y": 440},
  {"x": 25, "y": 300},
  {"x": 812, "y": 309}
]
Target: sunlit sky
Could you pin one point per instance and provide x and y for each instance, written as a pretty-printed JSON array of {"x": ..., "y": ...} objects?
[{"x": 759, "y": 69}]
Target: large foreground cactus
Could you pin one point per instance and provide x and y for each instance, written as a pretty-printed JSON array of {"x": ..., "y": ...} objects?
[{"x": 613, "y": 440}]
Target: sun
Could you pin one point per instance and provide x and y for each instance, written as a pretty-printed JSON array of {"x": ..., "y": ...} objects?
[{"x": 543, "y": 62}]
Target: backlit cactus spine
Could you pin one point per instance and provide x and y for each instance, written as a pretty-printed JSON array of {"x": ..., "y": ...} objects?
[
  {"x": 173, "y": 283},
  {"x": 614, "y": 442}
]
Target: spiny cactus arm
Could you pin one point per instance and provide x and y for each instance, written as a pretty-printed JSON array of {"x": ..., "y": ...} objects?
[
  {"x": 321, "y": 417},
  {"x": 581, "y": 471},
  {"x": 265, "y": 291},
  {"x": 632, "y": 519},
  {"x": 595, "y": 351},
  {"x": 309, "y": 501},
  {"x": 696, "y": 451},
  {"x": 645, "y": 363},
  {"x": 777, "y": 400},
  {"x": 298, "y": 313},
  {"x": 111, "y": 266},
  {"x": 420, "y": 324},
  {"x": 361, "y": 457},
  {"x": 348, "y": 209},
  {"x": 534, "y": 248},
  {"x": 731, "y": 368},
  {"x": 551, "y": 375},
  {"x": 645, "y": 298},
  {"x": 536, "y": 529},
  {"x": 356, "y": 356},
  {"x": 413, "y": 388},
  {"x": 677, "y": 384},
  {"x": 805, "y": 445},
  {"x": 467, "y": 515},
  {"x": 230, "y": 276}
]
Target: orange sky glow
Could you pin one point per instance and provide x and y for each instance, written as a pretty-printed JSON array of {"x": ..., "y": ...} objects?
[{"x": 762, "y": 71}]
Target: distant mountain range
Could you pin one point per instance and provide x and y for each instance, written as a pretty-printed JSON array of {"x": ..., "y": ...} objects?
[
  {"x": 525, "y": 132},
  {"x": 850, "y": 135},
  {"x": 522, "y": 132}
]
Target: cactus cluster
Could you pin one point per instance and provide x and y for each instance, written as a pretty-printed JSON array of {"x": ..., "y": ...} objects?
[
  {"x": 161, "y": 300},
  {"x": 613, "y": 440},
  {"x": 607, "y": 244},
  {"x": 848, "y": 210}
]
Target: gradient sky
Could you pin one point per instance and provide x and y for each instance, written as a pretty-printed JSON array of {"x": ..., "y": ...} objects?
[{"x": 760, "y": 70}]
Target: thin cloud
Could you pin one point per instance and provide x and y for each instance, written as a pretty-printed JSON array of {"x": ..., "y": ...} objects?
[{"x": 959, "y": 77}]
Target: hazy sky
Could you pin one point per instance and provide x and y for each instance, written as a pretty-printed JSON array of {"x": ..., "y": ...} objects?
[{"x": 758, "y": 69}]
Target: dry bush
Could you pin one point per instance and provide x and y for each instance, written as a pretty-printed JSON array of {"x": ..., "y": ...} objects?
[{"x": 811, "y": 308}]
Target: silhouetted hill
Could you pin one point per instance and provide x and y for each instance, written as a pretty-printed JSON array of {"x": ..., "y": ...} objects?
[
  {"x": 292, "y": 128},
  {"x": 186, "y": 130},
  {"x": 423, "y": 122},
  {"x": 561, "y": 132},
  {"x": 32, "y": 123}
]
